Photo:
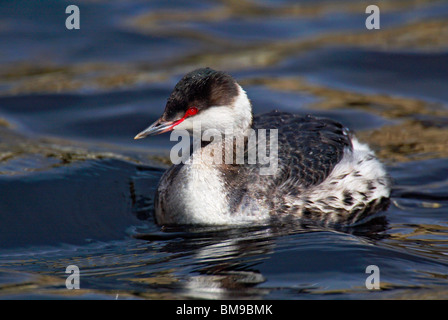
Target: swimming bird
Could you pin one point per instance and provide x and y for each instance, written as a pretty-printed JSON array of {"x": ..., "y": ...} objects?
[{"x": 323, "y": 173}]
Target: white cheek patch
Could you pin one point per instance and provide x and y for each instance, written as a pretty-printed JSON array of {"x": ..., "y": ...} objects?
[{"x": 237, "y": 116}]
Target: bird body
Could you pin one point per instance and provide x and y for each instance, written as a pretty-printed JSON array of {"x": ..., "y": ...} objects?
[{"x": 322, "y": 172}]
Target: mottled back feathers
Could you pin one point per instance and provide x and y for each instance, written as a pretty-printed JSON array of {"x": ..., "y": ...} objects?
[{"x": 308, "y": 150}]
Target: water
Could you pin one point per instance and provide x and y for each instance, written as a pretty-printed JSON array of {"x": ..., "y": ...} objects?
[{"x": 76, "y": 189}]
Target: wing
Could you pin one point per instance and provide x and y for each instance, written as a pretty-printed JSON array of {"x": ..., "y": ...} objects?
[
  {"x": 308, "y": 150},
  {"x": 308, "y": 147}
]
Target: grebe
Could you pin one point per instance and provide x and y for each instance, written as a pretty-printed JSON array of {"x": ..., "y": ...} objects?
[{"x": 323, "y": 173}]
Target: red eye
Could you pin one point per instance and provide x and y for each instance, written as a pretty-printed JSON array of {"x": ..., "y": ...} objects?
[{"x": 192, "y": 111}]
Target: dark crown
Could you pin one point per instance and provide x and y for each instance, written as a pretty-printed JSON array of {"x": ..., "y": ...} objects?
[{"x": 201, "y": 88}]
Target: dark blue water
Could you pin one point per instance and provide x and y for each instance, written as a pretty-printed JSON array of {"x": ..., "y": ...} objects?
[{"x": 76, "y": 189}]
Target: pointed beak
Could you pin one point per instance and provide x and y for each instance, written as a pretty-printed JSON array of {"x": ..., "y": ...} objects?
[{"x": 157, "y": 127}]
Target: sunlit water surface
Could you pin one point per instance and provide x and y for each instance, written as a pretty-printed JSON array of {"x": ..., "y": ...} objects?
[{"x": 76, "y": 189}]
